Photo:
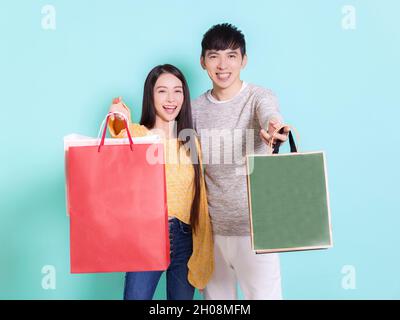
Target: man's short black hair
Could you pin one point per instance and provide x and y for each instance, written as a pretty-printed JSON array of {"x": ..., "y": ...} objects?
[{"x": 221, "y": 37}]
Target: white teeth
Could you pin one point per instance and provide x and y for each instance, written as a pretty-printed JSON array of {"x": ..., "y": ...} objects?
[
  {"x": 223, "y": 76},
  {"x": 169, "y": 109}
]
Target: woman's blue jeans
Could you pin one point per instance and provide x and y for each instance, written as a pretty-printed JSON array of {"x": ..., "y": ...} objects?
[{"x": 141, "y": 285}]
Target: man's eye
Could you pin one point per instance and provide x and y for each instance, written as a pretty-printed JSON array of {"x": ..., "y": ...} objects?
[{"x": 232, "y": 56}]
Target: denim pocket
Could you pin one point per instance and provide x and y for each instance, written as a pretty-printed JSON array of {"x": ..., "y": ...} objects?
[{"x": 185, "y": 228}]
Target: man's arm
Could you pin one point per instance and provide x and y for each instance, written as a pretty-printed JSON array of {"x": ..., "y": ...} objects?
[{"x": 269, "y": 117}]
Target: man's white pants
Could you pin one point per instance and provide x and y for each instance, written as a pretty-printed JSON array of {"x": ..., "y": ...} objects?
[{"x": 258, "y": 275}]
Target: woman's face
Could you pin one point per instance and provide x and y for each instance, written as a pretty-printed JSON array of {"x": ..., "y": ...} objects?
[{"x": 168, "y": 96}]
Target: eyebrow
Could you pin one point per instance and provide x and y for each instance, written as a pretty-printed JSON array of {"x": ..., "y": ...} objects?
[
  {"x": 231, "y": 51},
  {"x": 211, "y": 52},
  {"x": 165, "y": 87}
]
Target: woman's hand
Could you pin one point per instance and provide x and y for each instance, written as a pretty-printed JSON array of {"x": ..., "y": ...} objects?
[{"x": 118, "y": 106}]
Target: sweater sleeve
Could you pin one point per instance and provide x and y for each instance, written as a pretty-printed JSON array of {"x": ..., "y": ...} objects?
[{"x": 267, "y": 107}]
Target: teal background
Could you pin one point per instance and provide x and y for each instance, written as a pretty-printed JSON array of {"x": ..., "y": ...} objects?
[{"x": 338, "y": 87}]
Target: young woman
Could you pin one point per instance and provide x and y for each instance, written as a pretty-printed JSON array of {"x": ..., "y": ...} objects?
[{"x": 166, "y": 110}]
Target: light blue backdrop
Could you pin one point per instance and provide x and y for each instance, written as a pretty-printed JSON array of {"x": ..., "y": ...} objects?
[{"x": 337, "y": 79}]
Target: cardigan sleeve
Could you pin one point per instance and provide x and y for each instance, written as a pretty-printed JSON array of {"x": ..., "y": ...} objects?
[{"x": 201, "y": 263}]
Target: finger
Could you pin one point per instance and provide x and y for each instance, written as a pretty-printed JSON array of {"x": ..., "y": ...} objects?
[
  {"x": 118, "y": 116},
  {"x": 265, "y": 135},
  {"x": 275, "y": 123},
  {"x": 117, "y": 108},
  {"x": 267, "y": 140},
  {"x": 117, "y": 100},
  {"x": 281, "y": 137},
  {"x": 272, "y": 127},
  {"x": 263, "y": 139}
]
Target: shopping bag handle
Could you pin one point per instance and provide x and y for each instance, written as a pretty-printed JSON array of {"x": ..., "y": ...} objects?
[
  {"x": 280, "y": 130},
  {"x": 106, "y": 120}
]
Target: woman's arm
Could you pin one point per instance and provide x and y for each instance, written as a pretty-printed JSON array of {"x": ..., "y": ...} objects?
[{"x": 116, "y": 125}]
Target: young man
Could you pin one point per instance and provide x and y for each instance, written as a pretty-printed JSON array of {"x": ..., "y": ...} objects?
[{"x": 236, "y": 113}]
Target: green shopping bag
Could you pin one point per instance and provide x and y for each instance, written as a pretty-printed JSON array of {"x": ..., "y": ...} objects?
[{"x": 288, "y": 201}]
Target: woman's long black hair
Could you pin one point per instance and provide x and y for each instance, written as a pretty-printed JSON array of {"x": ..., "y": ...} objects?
[{"x": 184, "y": 121}]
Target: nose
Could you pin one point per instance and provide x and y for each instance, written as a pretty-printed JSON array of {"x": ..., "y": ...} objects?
[
  {"x": 170, "y": 97},
  {"x": 221, "y": 63}
]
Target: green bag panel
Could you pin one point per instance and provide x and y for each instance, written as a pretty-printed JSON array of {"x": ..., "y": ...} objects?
[{"x": 288, "y": 200}]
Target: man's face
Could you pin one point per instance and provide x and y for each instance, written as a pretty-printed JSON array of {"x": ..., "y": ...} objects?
[{"x": 223, "y": 66}]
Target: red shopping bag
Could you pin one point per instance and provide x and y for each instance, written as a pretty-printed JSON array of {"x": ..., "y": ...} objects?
[{"x": 117, "y": 204}]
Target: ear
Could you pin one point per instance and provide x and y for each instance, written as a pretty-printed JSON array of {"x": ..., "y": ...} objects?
[
  {"x": 244, "y": 61},
  {"x": 202, "y": 62}
]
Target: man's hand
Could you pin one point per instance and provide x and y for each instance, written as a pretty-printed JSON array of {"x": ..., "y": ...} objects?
[
  {"x": 274, "y": 124},
  {"x": 118, "y": 106}
]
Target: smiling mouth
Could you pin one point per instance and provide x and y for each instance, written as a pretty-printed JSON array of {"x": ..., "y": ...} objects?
[
  {"x": 223, "y": 76},
  {"x": 169, "y": 109}
]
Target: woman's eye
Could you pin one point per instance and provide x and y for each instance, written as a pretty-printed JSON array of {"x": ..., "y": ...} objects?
[
  {"x": 161, "y": 91},
  {"x": 178, "y": 91}
]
